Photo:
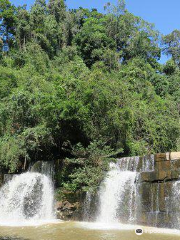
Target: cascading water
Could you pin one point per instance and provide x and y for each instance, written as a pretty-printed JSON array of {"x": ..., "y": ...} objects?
[
  {"x": 174, "y": 204},
  {"x": 26, "y": 198},
  {"x": 87, "y": 206},
  {"x": 117, "y": 196}
]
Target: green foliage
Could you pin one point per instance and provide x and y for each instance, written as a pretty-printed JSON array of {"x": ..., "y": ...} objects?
[
  {"x": 89, "y": 166},
  {"x": 81, "y": 86},
  {"x": 8, "y": 81},
  {"x": 172, "y": 45},
  {"x": 92, "y": 40},
  {"x": 7, "y": 20}
]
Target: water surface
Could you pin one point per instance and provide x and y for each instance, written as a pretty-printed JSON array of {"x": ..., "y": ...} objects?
[{"x": 82, "y": 231}]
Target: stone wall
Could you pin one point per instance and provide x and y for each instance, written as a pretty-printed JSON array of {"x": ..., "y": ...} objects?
[{"x": 159, "y": 193}]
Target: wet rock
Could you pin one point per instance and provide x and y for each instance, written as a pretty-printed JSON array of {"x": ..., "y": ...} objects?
[
  {"x": 148, "y": 177},
  {"x": 175, "y": 164},
  {"x": 9, "y": 177},
  {"x": 65, "y": 210},
  {"x": 161, "y": 198},
  {"x": 163, "y": 175},
  {"x": 161, "y": 157},
  {"x": 145, "y": 193},
  {"x": 163, "y": 166},
  {"x": 1, "y": 179},
  {"x": 175, "y": 174}
]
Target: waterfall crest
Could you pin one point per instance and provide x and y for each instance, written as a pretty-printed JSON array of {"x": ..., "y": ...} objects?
[{"x": 27, "y": 197}]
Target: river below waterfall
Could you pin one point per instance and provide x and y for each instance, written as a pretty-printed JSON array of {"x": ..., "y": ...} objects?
[{"x": 82, "y": 231}]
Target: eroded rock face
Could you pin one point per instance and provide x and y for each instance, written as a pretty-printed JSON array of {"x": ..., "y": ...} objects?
[
  {"x": 157, "y": 192},
  {"x": 167, "y": 168}
]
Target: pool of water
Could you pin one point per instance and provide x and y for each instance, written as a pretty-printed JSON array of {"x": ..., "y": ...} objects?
[{"x": 84, "y": 231}]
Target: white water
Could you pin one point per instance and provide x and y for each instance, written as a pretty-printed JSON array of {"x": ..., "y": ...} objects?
[
  {"x": 174, "y": 203},
  {"x": 117, "y": 200},
  {"x": 87, "y": 207},
  {"x": 26, "y": 199},
  {"x": 148, "y": 163}
]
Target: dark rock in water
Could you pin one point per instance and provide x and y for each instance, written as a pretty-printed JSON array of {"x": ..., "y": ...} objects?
[
  {"x": 1, "y": 179},
  {"x": 70, "y": 205},
  {"x": 65, "y": 210},
  {"x": 32, "y": 202},
  {"x": 8, "y": 177}
]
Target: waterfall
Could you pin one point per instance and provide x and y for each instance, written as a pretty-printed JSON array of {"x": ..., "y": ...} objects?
[
  {"x": 27, "y": 197},
  {"x": 117, "y": 196},
  {"x": 175, "y": 206},
  {"x": 148, "y": 163},
  {"x": 87, "y": 207}
]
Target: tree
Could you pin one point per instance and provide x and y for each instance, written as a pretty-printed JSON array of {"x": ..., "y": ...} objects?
[
  {"x": 171, "y": 47},
  {"x": 58, "y": 9},
  {"x": 23, "y": 28},
  {"x": 37, "y": 16},
  {"x": 87, "y": 79},
  {"x": 7, "y": 21},
  {"x": 92, "y": 41},
  {"x": 133, "y": 36}
]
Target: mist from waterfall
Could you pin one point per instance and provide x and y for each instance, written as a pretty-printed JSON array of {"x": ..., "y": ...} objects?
[{"x": 27, "y": 198}]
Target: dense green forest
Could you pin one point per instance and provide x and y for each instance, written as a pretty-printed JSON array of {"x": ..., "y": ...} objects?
[{"x": 80, "y": 86}]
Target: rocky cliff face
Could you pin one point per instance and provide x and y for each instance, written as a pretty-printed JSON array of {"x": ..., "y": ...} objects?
[{"x": 159, "y": 192}]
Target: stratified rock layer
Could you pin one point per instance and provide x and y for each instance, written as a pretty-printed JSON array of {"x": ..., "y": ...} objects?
[{"x": 157, "y": 192}]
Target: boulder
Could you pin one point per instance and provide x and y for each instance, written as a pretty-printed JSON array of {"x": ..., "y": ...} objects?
[{"x": 65, "y": 210}]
